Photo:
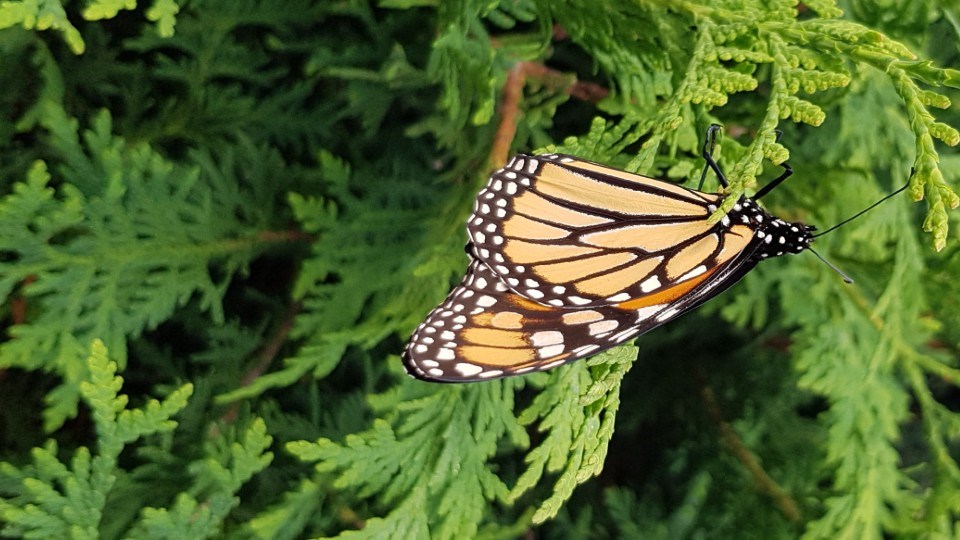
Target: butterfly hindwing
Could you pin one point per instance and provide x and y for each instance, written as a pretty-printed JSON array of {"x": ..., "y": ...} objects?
[{"x": 483, "y": 330}]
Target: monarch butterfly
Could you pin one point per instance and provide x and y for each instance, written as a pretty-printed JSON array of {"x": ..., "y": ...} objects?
[{"x": 570, "y": 257}]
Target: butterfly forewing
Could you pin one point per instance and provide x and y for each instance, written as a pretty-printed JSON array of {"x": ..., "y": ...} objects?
[{"x": 566, "y": 232}]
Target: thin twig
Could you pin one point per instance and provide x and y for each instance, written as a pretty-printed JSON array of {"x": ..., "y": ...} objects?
[
  {"x": 513, "y": 92},
  {"x": 18, "y": 305},
  {"x": 509, "y": 109},
  {"x": 734, "y": 443},
  {"x": 266, "y": 356}
]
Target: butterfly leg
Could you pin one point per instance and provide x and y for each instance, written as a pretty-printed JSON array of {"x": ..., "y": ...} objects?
[
  {"x": 787, "y": 171},
  {"x": 709, "y": 143}
]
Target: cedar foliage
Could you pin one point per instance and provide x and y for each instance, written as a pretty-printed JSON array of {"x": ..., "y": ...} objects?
[{"x": 236, "y": 210}]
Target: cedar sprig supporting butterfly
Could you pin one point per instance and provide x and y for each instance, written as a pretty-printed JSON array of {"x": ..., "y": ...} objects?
[{"x": 570, "y": 257}]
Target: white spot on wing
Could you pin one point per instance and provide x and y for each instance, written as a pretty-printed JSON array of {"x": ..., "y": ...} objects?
[
  {"x": 601, "y": 327},
  {"x": 650, "y": 284},
  {"x": 553, "y": 364},
  {"x": 546, "y": 337},
  {"x": 626, "y": 334},
  {"x": 667, "y": 314},
  {"x": 584, "y": 350},
  {"x": 693, "y": 273},
  {"x": 645, "y": 313},
  {"x": 467, "y": 370}
]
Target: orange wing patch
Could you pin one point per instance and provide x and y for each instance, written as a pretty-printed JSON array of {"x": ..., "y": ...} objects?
[
  {"x": 650, "y": 237},
  {"x": 562, "y": 183}
]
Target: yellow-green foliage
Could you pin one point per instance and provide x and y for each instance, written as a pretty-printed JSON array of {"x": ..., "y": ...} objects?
[{"x": 236, "y": 210}]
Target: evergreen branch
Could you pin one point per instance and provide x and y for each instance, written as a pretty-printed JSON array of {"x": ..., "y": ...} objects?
[
  {"x": 576, "y": 412},
  {"x": 104, "y": 264},
  {"x": 42, "y": 16},
  {"x": 199, "y": 512},
  {"x": 669, "y": 118},
  {"x": 745, "y": 170},
  {"x": 52, "y": 499},
  {"x": 397, "y": 462},
  {"x": 265, "y": 357},
  {"x": 164, "y": 13},
  {"x": 928, "y": 178},
  {"x": 735, "y": 445},
  {"x": 865, "y": 427},
  {"x": 939, "y": 369},
  {"x": 941, "y": 426}
]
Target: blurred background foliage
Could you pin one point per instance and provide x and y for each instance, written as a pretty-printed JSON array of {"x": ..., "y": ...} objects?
[{"x": 220, "y": 220}]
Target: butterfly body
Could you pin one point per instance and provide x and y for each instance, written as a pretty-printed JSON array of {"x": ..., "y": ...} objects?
[{"x": 569, "y": 258}]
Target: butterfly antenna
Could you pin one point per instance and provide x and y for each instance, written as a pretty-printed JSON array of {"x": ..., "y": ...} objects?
[
  {"x": 846, "y": 279},
  {"x": 867, "y": 209},
  {"x": 709, "y": 143}
]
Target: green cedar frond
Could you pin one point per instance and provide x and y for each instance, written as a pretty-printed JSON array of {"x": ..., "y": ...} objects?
[
  {"x": 163, "y": 12},
  {"x": 51, "y": 499},
  {"x": 103, "y": 261},
  {"x": 200, "y": 512},
  {"x": 399, "y": 463},
  {"x": 42, "y": 16},
  {"x": 577, "y": 424}
]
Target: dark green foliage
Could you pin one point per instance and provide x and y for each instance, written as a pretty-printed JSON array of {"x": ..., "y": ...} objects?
[{"x": 237, "y": 210}]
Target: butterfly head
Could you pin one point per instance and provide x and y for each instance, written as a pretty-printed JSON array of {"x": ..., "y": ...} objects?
[{"x": 781, "y": 237}]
